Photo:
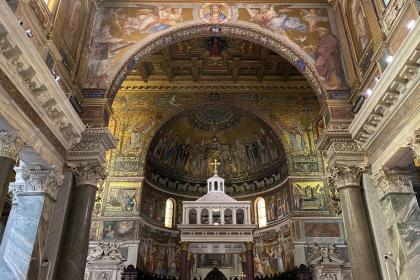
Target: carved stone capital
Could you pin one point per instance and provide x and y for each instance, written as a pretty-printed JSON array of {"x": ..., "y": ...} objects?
[
  {"x": 15, "y": 190},
  {"x": 346, "y": 176},
  {"x": 38, "y": 179},
  {"x": 392, "y": 181},
  {"x": 415, "y": 147},
  {"x": 10, "y": 144},
  {"x": 90, "y": 175}
]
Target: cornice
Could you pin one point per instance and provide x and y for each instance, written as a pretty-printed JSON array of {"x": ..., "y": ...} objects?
[
  {"x": 25, "y": 68},
  {"x": 396, "y": 86},
  {"x": 303, "y": 86}
]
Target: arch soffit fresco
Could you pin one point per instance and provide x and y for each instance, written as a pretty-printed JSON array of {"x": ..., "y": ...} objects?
[{"x": 241, "y": 30}]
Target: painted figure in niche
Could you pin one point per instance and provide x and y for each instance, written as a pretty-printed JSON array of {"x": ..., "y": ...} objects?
[
  {"x": 360, "y": 23},
  {"x": 72, "y": 22},
  {"x": 267, "y": 17},
  {"x": 216, "y": 13},
  {"x": 328, "y": 60}
]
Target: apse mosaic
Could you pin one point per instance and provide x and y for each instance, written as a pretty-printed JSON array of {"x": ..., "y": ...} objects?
[
  {"x": 306, "y": 26},
  {"x": 184, "y": 149},
  {"x": 256, "y": 148}
]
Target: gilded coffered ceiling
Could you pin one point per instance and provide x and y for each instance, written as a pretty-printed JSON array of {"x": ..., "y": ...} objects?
[{"x": 215, "y": 59}]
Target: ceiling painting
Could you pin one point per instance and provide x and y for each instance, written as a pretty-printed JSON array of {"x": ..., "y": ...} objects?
[{"x": 306, "y": 27}]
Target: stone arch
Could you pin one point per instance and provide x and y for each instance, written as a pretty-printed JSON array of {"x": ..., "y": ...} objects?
[{"x": 241, "y": 30}]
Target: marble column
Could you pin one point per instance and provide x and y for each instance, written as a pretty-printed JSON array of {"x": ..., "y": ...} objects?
[
  {"x": 249, "y": 246},
  {"x": 28, "y": 225},
  {"x": 76, "y": 239},
  {"x": 183, "y": 272},
  {"x": 359, "y": 242},
  {"x": 10, "y": 145},
  {"x": 402, "y": 218}
]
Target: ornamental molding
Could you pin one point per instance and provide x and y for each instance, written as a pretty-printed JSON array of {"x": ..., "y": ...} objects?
[
  {"x": 239, "y": 30},
  {"x": 392, "y": 181},
  {"x": 345, "y": 176},
  {"x": 38, "y": 179},
  {"x": 398, "y": 83},
  {"x": 135, "y": 85},
  {"x": 92, "y": 175},
  {"x": 10, "y": 144},
  {"x": 22, "y": 64}
]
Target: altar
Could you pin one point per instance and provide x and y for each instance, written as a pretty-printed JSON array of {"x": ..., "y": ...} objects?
[{"x": 216, "y": 231}]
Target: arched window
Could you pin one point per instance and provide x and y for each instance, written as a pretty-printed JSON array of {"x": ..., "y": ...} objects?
[
  {"x": 169, "y": 213},
  {"x": 261, "y": 212}
]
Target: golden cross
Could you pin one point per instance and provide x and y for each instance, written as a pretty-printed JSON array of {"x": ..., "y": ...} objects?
[{"x": 215, "y": 163}]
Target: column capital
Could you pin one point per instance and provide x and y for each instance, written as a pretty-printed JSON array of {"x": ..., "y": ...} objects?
[
  {"x": 346, "y": 176},
  {"x": 392, "y": 181},
  {"x": 415, "y": 147},
  {"x": 89, "y": 174},
  {"x": 10, "y": 144},
  {"x": 38, "y": 179}
]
